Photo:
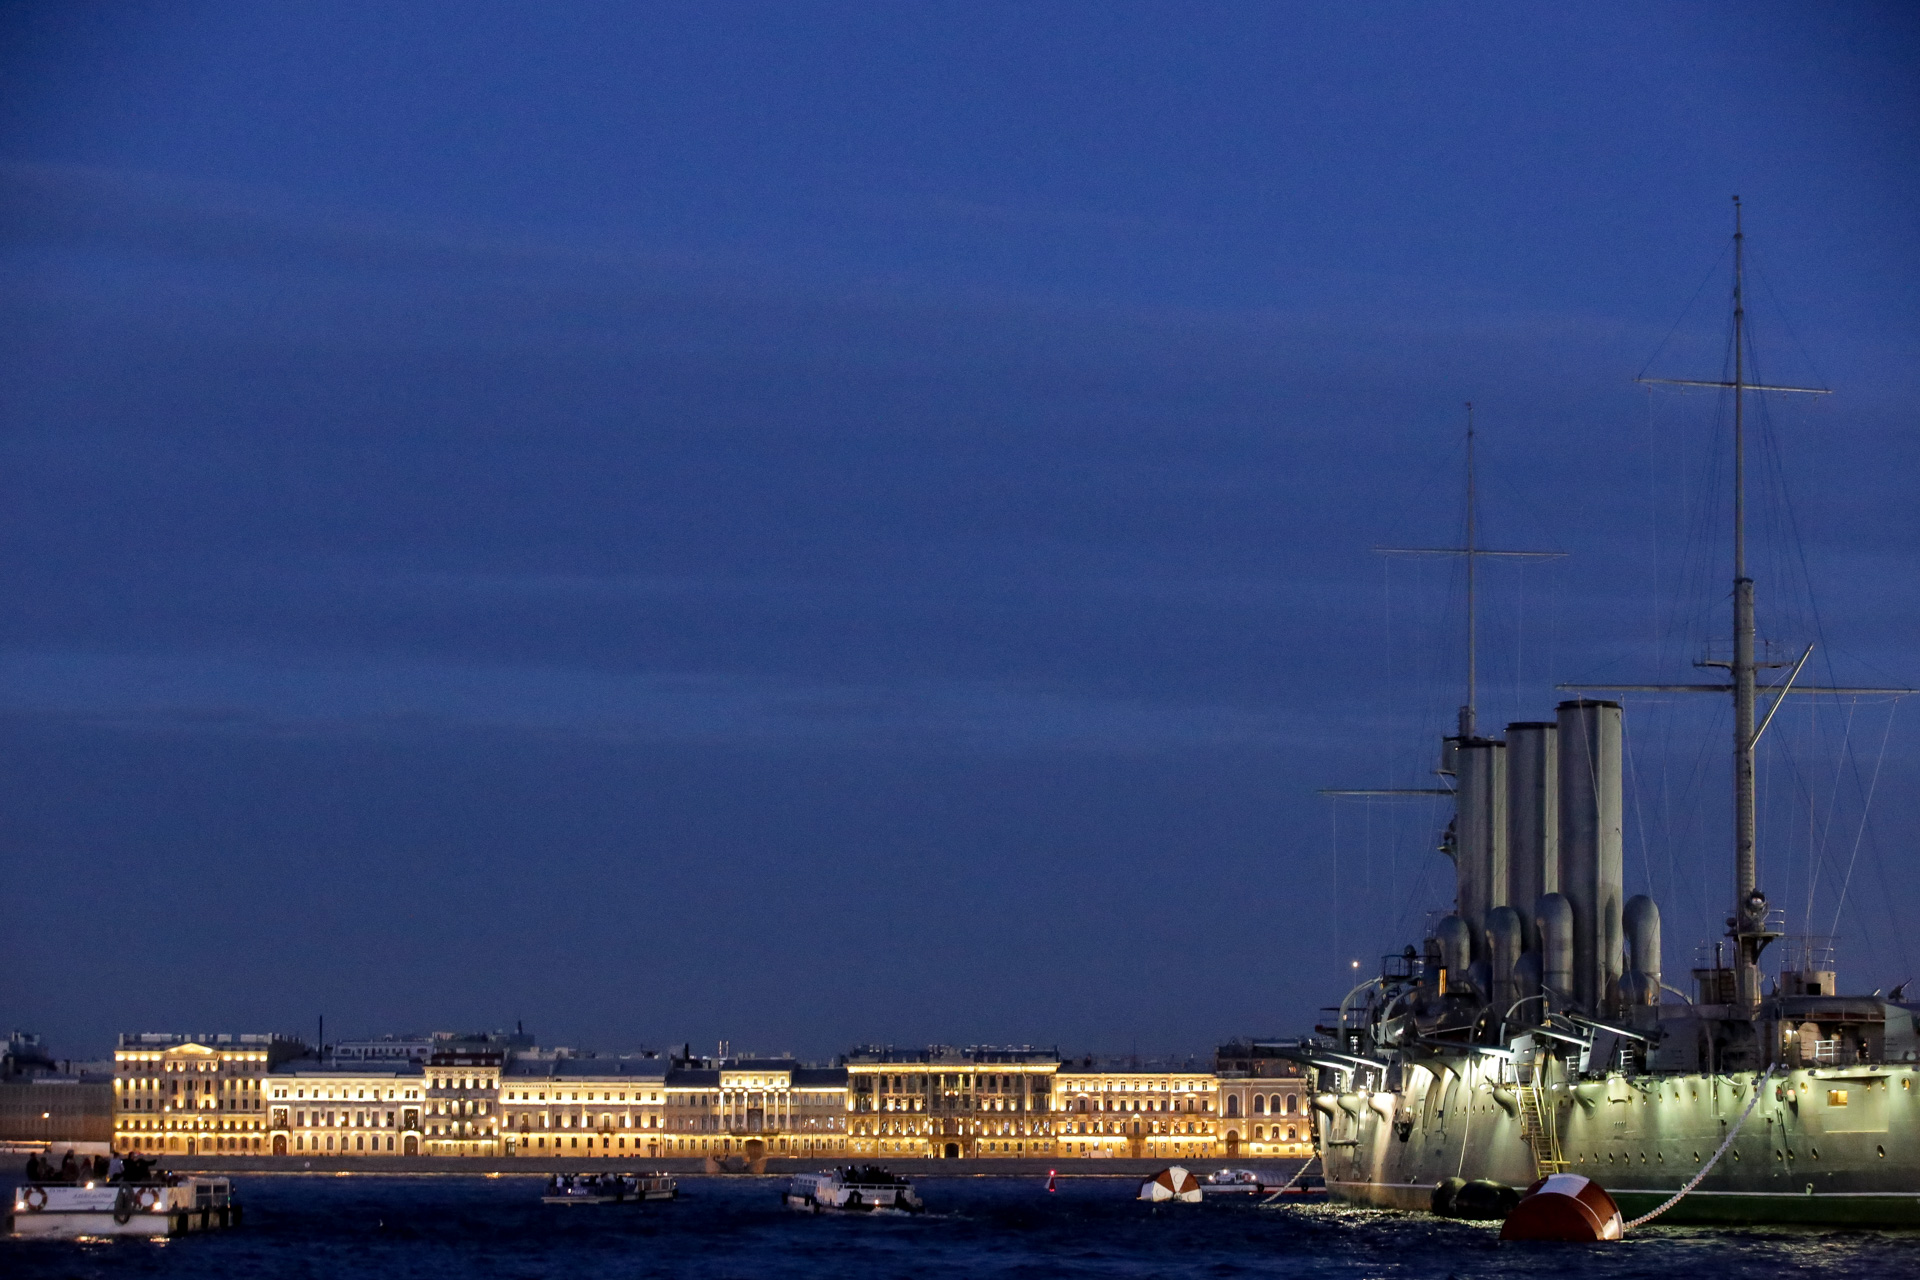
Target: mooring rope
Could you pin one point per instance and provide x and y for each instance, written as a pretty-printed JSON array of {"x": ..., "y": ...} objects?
[
  {"x": 1707, "y": 1168},
  {"x": 1305, "y": 1165}
]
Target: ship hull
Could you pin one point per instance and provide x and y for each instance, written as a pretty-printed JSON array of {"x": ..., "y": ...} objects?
[{"x": 1820, "y": 1148}]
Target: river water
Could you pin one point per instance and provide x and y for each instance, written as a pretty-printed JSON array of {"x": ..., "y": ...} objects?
[{"x": 422, "y": 1228}]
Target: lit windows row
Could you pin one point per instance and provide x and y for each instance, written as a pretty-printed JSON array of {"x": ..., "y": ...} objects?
[
  {"x": 605, "y": 1096},
  {"x": 394, "y": 1094}
]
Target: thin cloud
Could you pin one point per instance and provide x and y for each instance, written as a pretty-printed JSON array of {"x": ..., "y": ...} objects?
[{"x": 303, "y": 696}]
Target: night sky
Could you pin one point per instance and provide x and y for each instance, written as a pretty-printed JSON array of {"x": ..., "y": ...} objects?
[{"x": 826, "y": 524}]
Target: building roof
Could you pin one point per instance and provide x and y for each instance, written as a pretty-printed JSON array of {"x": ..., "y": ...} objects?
[
  {"x": 308, "y": 1069},
  {"x": 758, "y": 1064},
  {"x": 693, "y": 1078},
  {"x": 587, "y": 1068},
  {"x": 820, "y": 1078}
]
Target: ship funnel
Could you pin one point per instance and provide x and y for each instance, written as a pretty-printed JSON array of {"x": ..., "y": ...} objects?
[
  {"x": 1553, "y": 921},
  {"x": 1480, "y": 832},
  {"x": 1641, "y": 984},
  {"x": 1526, "y": 985},
  {"x": 1533, "y": 818},
  {"x": 1504, "y": 932},
  {"x": 1591, "y": 876},
  {"x": 1456, "y": 948}
]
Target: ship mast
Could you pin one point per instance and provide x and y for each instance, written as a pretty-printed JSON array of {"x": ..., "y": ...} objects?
[
  {"x": 1468, "y": 726},
  {"x": 1747, "y": 926},
  {"x": 1749, "y": 904},
  {"x": 1473, "y": 552}
]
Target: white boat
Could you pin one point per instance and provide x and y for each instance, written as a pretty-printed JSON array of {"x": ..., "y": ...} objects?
[
  {"x": 160, "y": 1208},
  {"x": 850, "y": 1190},
  {"x": 609, "y": 1188},
  {"x": 1235, "y": 1182}
]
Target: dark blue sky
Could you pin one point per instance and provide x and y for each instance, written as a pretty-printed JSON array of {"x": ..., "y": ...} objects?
[{"x": 831, "y": 524}]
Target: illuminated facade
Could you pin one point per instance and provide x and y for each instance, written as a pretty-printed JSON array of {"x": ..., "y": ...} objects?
[
  {"x": 355, "y": 1110},
  {"x": 1138, "y": 1112},
  {"x": 755, "y": 1107},
  {"x": 480, "y": 1096},
  {"x": 462, "y": 1103},
  {"x": 951, "y": 1103},
  {"x": 586, "y": 1107},
  {"x": 194, "y": 1095},
  {"x": 1265, "y": 1117},
  {"x": 1265, "y": 1101}
]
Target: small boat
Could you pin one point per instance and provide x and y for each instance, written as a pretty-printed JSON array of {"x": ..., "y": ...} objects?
[
  {"x": 168, "y": 1206},
  {"x": 1236, "y": 1182},
  {"x": 864, "y": 1190},
  {"x": 1248, "y": 1182},
  {"x": 609, "y": 1188},
  {"x": 1171, "y": 1183}
]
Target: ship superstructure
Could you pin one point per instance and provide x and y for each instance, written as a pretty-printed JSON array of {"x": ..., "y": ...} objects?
[{"x": 1536, "y": 1030}]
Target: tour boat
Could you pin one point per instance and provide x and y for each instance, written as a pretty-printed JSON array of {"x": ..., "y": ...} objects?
[
  {"x": 1247, "y": 1182},
  {"x": 609, "y": 1188},
  {"x": 158, "y": 1208},
  {"x": 850, "y": 1190}
]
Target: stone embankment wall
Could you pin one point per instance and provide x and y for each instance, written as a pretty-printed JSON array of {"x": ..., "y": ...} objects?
[{"x": 521, "y": 1167}]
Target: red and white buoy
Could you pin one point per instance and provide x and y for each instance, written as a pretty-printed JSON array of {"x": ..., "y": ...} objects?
[
  {"x": 1172, "y": 1183},
  {"x": 1564, "y": 1206}
]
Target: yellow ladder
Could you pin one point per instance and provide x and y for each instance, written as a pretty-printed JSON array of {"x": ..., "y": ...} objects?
[{"x": 1543, "y": 1137}]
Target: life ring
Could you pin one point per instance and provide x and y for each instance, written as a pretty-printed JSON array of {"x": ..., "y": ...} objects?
[
  {"x": 35, "y": 1199},
  {"x": 146, "y": 1198}
]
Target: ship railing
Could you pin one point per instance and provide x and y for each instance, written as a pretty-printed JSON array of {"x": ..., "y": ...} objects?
[
  {"x": 1806, "y": 952},
  {"x": 1403, "y": 968}
]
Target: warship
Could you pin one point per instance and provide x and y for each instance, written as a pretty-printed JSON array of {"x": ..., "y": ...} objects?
[{"x": 1535, "y": 1031}]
